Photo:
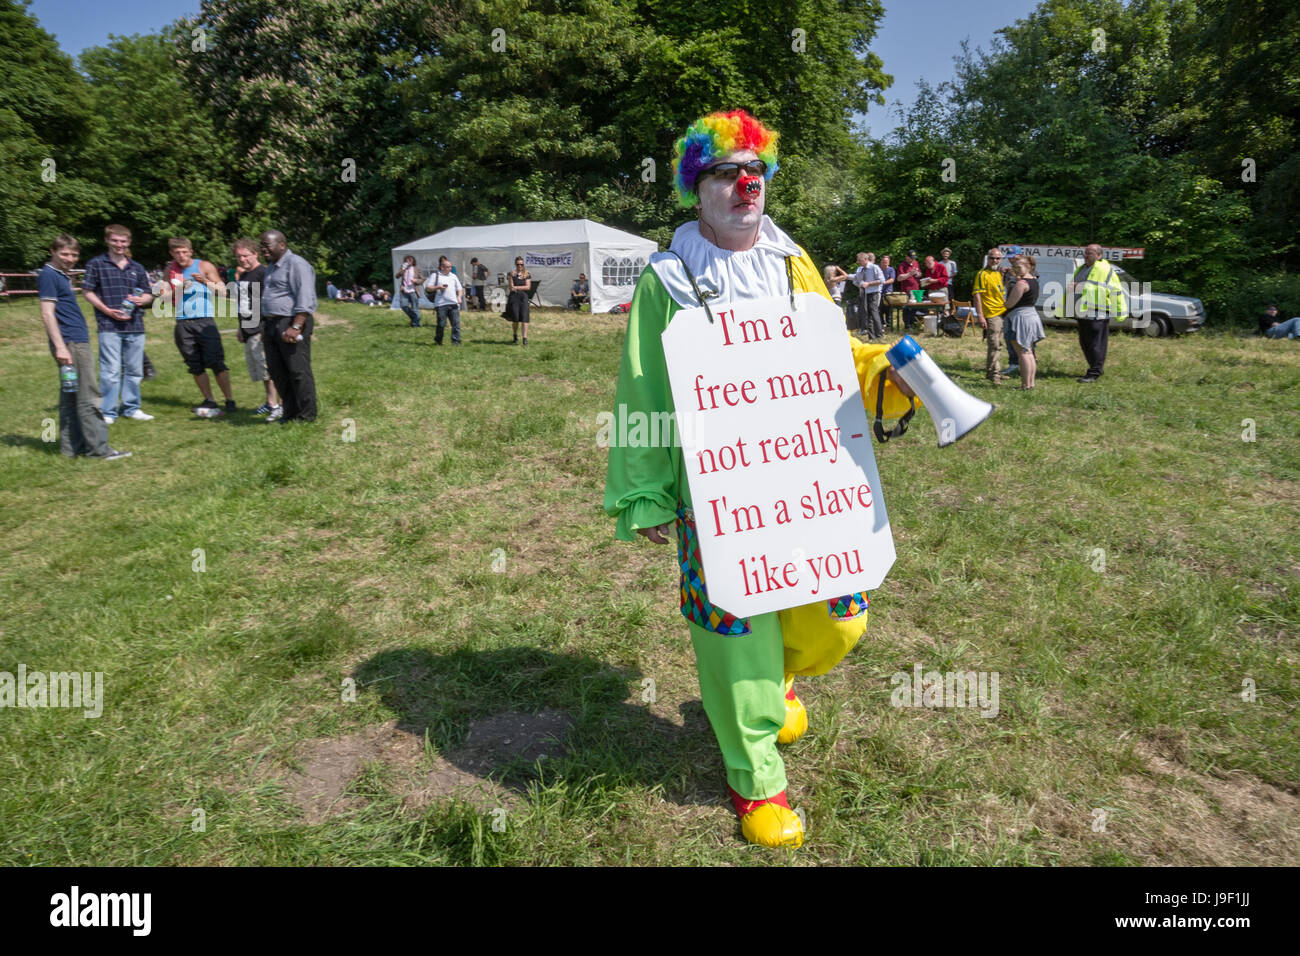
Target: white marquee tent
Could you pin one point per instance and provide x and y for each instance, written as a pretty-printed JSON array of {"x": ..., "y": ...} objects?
[{"x": 554, "y": 253}]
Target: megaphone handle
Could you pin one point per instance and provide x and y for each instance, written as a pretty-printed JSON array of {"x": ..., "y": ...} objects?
[{"x": 879, "y": 424}]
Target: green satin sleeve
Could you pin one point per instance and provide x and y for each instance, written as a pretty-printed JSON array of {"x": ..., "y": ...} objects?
[{"x": 641, "y": 482}]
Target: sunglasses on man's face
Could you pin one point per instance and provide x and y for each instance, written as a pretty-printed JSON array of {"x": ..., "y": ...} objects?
[{"x": 732, "y": 171}]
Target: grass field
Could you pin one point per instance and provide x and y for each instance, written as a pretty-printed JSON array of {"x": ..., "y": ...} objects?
[{"x": 452, "y": 563}]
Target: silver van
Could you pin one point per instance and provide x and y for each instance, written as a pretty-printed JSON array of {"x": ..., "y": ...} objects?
[{"x": 1153, "y": 313}]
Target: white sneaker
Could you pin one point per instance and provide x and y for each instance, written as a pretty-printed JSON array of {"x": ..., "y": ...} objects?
[
  {"x": 109, "y": 419},
  {"x": 140, "y": 416},
  {"x": 277, "y": 413}
]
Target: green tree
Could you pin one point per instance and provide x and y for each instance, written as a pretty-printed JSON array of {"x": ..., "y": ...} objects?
[
  {"x": 1077, "y": 126},
  {"x": 45, "y": 126},
  {"x": 164, "y": 169},
  {"x": 486, "y": 110},
  {"x": 1241, "y": 112},
  {"x": 306, "y": 95}
]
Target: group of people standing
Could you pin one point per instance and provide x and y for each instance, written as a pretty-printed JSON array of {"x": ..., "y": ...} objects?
[
  {"x": 445, "y": 290},
  {"x": 874, "y": 281},
  {"x": 274, "y": 302},
  {"x": 448, "y": 294},
  {"x": 1004, "y": 298}
]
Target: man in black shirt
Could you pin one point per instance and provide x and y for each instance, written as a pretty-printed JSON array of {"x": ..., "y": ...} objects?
[
  {"x": 1269, "y": 325},
  {"x": 249, "y": 276},
  {"x": 478, "y": 274}
]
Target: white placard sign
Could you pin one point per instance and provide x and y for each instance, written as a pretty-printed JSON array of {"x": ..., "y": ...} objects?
[{"x": 777, "y": 453}]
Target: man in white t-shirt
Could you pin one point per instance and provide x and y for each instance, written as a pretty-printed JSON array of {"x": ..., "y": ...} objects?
[
  {"x": 448, "y": 295},
  {"x": 949, "y": 266}
]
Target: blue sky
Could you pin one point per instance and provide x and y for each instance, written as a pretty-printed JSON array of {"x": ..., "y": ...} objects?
[{"x": 916, "y": 40}]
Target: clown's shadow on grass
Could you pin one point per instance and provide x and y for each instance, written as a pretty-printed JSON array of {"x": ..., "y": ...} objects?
[{"x": 511, "y": 714}]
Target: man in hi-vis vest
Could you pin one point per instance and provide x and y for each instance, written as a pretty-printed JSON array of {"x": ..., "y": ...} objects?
[{"x": 1100, "y": 299}]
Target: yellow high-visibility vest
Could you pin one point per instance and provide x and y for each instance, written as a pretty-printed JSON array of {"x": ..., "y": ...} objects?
[{"x": 1101, "y": 294}]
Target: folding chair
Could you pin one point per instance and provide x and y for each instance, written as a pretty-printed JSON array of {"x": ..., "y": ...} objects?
[{"x": 966, "y": 311}]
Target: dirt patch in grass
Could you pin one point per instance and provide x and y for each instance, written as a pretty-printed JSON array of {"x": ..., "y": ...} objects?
[
  {"x": 1173, "y": 816},
  {"x": 326, "y": 319},
  {"x": 329, "y": 764},
  {"x": 1203, "y": 820}
]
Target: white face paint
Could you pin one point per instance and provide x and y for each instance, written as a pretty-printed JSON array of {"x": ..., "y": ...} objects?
[{"x": 727, "y": 219}]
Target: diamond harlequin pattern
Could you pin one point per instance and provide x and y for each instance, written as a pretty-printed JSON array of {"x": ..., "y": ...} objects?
[
  {"x": 850, "y": 606},
  {"x": 697, "y": 608}
]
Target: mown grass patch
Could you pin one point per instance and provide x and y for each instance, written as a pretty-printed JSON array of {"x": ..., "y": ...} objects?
[{"x": 1116, "y": 553}]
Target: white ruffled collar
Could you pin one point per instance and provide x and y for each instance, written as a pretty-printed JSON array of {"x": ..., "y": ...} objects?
[{"x": 756, "y": 272}]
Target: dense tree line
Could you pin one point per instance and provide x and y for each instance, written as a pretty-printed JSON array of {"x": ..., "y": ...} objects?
[
  {"x": 356, "y": 124},
  {"x": 1168, "y": 124}
]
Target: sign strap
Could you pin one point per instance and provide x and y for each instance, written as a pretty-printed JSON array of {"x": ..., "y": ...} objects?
[{"x": 698, "y": 294}]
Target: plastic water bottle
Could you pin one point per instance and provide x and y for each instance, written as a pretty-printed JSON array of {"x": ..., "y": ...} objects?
[
  {"x": 68, "y": 377},
  {"x": 128, "y": 306}
]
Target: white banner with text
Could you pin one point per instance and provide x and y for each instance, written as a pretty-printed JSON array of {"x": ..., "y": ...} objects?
[
  {"x": 550, "y": 260},
  {"x": 782, "y": 474}
]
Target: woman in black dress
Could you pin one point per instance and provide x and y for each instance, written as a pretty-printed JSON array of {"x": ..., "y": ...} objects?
[{"x": 521, "y": 283}]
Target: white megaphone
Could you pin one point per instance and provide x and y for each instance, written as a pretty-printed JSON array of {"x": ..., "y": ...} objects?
[{"x": 954, "y": 410}]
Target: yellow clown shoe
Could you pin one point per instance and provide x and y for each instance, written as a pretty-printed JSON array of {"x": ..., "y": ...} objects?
[
  {"x": 796, "y": 718},
  {"x": 768, "y": 822}
]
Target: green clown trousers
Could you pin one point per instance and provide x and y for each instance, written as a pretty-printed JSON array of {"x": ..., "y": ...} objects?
[{"x": 742, "y": 684}]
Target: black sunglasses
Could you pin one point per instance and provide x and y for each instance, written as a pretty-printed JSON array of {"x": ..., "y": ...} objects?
[{"x": 731, "y": 171}]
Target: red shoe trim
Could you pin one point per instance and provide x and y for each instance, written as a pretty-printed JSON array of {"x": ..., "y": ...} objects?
[
  {"x": 745, "y": 806},
  {"x": 789, "y": 695}
]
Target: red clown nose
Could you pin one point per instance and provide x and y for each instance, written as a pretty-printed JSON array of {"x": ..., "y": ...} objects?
[{"x": 747, "y": 186}]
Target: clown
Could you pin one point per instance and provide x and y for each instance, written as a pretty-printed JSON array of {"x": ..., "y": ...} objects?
[{"x": 732, "y": 253}]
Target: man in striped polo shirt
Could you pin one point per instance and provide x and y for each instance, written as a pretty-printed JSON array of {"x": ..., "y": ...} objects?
[{"x": 118, "y": 287}]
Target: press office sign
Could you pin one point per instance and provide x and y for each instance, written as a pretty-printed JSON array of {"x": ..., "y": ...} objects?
[{"x": 556, "y": 260}]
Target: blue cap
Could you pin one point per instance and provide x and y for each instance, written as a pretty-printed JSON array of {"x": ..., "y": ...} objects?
[{"x": 902, "y": 353}]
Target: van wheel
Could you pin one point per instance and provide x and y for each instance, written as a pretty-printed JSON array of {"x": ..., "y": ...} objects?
[{"x": 1158, "y": 328}]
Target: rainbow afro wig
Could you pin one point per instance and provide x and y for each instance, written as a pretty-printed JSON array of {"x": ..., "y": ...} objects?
[{"x": 712, "y": 137}]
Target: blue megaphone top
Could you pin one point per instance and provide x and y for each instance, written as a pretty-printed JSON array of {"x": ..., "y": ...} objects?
[{"x": 902, "y": 353}]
